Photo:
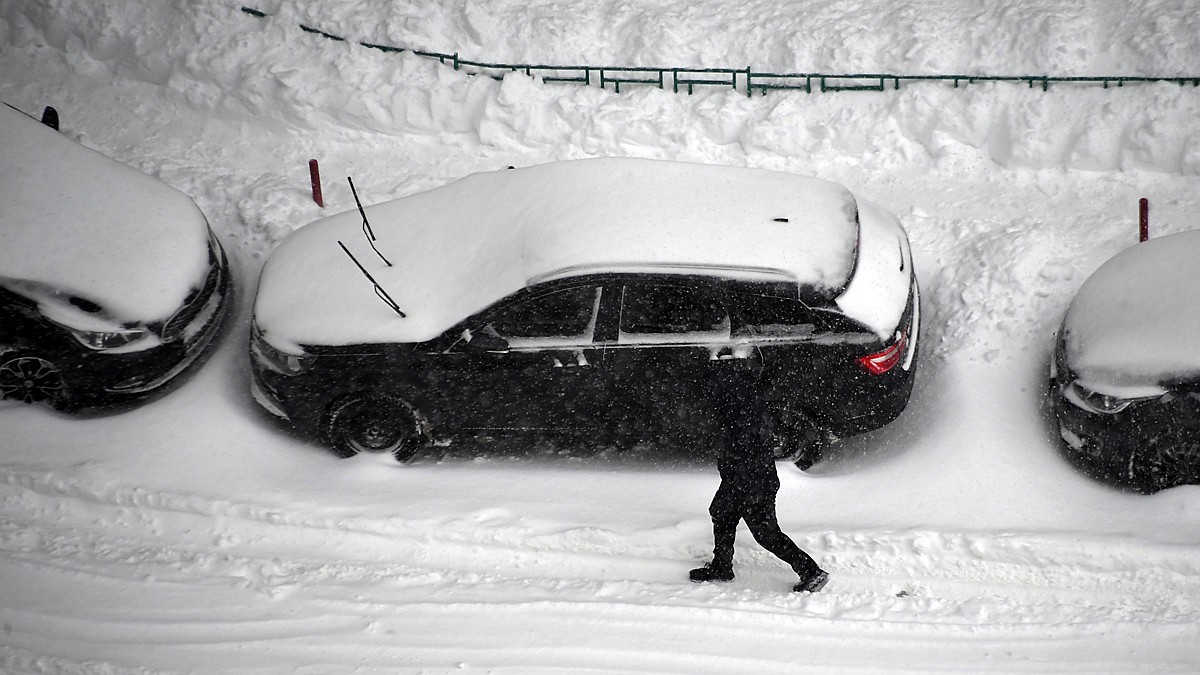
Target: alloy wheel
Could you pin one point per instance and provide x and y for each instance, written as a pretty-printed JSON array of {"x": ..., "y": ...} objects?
[{"x": 30, "y": 379}]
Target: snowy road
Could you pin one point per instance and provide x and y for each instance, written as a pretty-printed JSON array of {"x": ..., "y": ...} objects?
[{"x": 184, "y": 579}]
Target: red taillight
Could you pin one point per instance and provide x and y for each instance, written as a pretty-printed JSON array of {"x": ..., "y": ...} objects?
[{"x": 882, "y": 361}]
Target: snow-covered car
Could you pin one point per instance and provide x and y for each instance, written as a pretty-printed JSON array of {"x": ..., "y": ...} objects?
[
  {"x": 589, "y": 299},
  {"x": 1125, "y": 374},
  {"x": 111, "y": 282}
]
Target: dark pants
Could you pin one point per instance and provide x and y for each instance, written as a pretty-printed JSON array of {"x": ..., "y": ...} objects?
[{"x": 757, "y": 508}]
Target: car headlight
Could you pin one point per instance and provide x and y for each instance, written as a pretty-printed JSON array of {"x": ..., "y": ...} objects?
[
  {"x": 270, "y": 357},
  {"x": 1103, "y": 404},
  {"x": 107, "y": 340}
]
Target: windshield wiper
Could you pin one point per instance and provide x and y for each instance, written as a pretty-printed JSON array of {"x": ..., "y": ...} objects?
[
  {"x": 366, "y": 227},
  {"x": 378, "y": 289}
]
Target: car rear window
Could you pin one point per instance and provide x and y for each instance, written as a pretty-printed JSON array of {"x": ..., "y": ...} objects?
[{"x": 771, "y": 315}]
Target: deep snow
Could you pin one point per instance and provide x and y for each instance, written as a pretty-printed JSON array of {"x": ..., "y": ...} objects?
[{"x": 192, "y": 535}]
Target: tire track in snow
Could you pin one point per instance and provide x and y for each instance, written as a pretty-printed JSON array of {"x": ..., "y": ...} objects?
[{"x": 946, "y": 579}]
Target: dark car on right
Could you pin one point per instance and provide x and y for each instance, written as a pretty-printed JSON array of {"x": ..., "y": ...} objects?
[{"x": 1125, "y": 374}]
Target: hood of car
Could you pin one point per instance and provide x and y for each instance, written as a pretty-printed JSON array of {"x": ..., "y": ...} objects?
[
  {"x": 1136, "y": 321},
  {"x": 74, "y": 220},
  {"x": 457, "y": 249}
]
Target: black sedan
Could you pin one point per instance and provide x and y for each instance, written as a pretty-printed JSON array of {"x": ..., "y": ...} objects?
[{"x": 588, "y": 300}]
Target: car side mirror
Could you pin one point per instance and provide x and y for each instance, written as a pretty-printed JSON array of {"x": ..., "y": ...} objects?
[{"x": 486, "y": 341}]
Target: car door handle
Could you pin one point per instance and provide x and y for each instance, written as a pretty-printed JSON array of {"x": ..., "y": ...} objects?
[
  {"x": 571, "y": 361},
  {"x": 731, "y": 352}
]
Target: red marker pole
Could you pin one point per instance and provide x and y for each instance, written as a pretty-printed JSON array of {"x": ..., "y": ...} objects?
[
  {"x": 315, "y": 174},
  {"x": 50, "y": 118},
  {"x": 1143, "y": 219}
]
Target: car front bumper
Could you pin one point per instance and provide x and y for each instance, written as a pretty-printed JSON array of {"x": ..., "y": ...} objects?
[
  {"x": 1126, "y": 448},
  {"x": 105, "y": 379}
]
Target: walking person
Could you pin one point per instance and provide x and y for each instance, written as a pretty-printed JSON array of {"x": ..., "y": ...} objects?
[{"x": 749, "y": 481}]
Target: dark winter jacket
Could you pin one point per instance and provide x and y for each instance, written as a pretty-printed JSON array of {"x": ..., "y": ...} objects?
[{"x": 746, "y": 461}]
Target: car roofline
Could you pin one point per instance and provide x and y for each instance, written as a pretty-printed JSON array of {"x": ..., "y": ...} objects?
[{"x": 749, "y": 273}]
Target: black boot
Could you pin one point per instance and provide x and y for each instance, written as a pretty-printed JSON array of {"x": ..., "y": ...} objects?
[
  {"x": 713, "y": 571},
  {"x": 813, "y": 582}
]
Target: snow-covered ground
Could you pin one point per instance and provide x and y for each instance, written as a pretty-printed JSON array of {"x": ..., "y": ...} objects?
[{"x": 192, "y": 535}]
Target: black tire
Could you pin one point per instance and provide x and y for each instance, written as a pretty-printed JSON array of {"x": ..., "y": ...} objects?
[
  {"x": 796, "y": 437},
  {"x": 364, "y": 423},
  {"x": 31, "y": 379},
  {"x": 1167, "y": 464},
  {"x": 810, "y": 455}
]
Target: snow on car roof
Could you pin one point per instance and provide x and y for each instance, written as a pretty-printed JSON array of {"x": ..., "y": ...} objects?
[
  {"x": 82, "y": 223},
  {"x": 459, "y": 248},
  {"x": 1134, "y": 322}
]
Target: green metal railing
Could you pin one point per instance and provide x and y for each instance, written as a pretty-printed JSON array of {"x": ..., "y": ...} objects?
[{"x": 744, "y": 79}]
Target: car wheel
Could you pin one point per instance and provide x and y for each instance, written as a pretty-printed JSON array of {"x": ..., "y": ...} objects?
[
  {"x": 363, "y": 423},
  {"x": 1169, "y": 464},
  {"x": 31, "y": 379},
  {"x": 797, "y": 438}
]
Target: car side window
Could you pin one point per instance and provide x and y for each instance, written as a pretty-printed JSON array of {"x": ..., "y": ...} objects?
[
  {"x": 566, "y": 317},
  {"x": 660, "y": 313},
  {"x": 772, "y": 317}
]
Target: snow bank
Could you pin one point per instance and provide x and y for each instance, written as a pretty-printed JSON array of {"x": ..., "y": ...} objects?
[
  {"x": 939, "y": 37},
  {"x": 219, "y": 58}
]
